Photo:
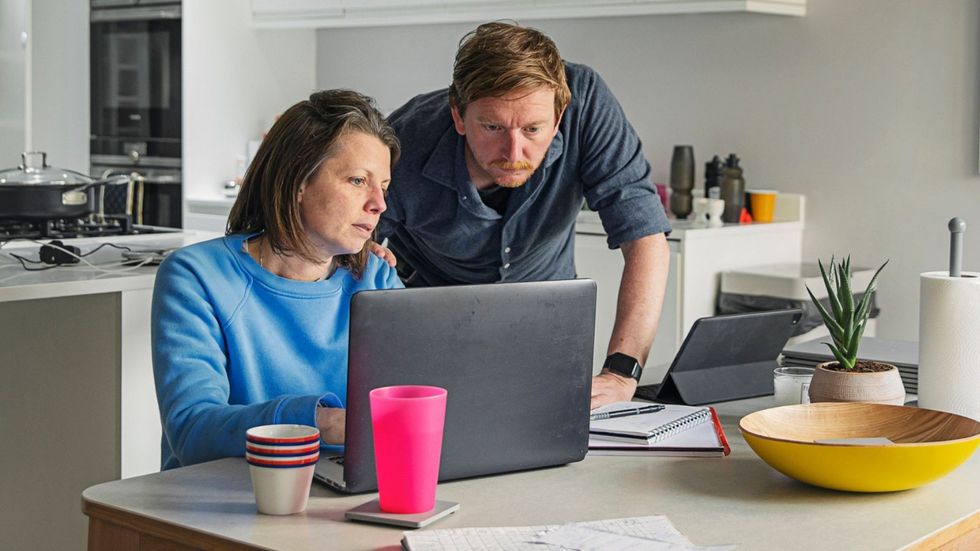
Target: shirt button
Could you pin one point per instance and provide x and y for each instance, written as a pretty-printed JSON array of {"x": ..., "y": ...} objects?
[
  {"x": 464, "y": 197},
  {"x": 507, "y": 250},
  {"x": 507, "y": 265}
]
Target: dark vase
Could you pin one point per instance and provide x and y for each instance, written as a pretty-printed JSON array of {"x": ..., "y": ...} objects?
[{"x": 681, "y": 180}]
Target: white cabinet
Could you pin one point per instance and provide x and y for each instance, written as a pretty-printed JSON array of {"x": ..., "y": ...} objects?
[
  {"x": 698, "y": 256},
  {"x": 207, "y": 214},
  {"x": 364, "y": 13},
  {"x": 594, "y": 260}
]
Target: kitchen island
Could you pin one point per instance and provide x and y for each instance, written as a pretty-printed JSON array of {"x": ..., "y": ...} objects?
[{"x": 77, "y": 397}]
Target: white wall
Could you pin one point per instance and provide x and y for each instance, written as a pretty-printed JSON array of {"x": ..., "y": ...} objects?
[
  {"x": 13, "y": 22},
  {"x": 869, "y": 108},
  {"x": 44, "y": 90},
  {"x": 235, "y": 81}
]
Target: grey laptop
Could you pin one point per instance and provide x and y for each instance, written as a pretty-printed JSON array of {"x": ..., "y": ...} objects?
[{"x": 516, "y": 359}]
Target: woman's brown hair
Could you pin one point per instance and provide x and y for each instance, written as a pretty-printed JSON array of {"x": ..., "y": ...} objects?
[
  {"x": 291, "y": 153},
  {"x": 498, "y": 58}
]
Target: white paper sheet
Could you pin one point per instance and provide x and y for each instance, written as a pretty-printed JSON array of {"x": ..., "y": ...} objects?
[{"x": 630, "y": 534}]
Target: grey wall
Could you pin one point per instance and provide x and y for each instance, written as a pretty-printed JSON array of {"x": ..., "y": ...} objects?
[{"x": 869, "y": 108}]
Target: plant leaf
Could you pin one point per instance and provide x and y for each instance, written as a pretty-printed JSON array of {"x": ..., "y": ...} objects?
[
  {"x": 836, "y": 332},
  {"x": 847, "y": 305},
  {"x": 857, "y": 339},
  {"x": 841, "y": 358},
  {"x": 831, "y": 295},
  {"x": 864, "y": 310},
  {"x": 871, "y": 284}
]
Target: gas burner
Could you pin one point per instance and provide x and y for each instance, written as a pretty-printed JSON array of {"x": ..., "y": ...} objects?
[{"x": 68, "y": 228}]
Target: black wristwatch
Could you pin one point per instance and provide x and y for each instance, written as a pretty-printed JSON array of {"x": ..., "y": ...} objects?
[{"x": 621, "y": 364}]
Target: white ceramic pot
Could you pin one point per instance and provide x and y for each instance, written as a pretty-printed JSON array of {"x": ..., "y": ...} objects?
[
  {"x": 281, "y": 491},
  {"x": 883, "y": 387}
]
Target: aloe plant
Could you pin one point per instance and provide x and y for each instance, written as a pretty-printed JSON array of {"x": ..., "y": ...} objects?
[{"x": 846, "y": 321}]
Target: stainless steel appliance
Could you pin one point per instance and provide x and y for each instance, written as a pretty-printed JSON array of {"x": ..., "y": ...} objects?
[{"x": 136, "y": 106}]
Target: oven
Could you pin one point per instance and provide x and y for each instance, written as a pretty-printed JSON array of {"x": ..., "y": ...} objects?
[
  {"x": 136, "y": 106},
  {"x": 152, "y": 198}
]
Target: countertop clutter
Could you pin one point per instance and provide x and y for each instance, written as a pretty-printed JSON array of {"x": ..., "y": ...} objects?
[
  {"x": 713, "y": 501},
  {"x": 106, "y": 270}
]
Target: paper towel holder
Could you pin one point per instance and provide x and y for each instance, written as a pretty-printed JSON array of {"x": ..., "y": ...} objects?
[{"x": 957, "y": 227}]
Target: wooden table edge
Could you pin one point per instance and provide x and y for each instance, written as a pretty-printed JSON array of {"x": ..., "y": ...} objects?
[
  {"x": 133, "y": 527},
  {"x": 960, "y": 534}
]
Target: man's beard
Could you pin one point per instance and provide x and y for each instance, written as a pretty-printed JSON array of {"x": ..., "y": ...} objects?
[{"x": 516, "y": 165}]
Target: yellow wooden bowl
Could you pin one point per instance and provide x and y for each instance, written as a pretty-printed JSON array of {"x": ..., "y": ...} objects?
[{"x": 927, "y": 444}]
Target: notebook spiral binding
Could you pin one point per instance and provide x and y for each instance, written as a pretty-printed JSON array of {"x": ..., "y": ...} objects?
[{"x": 679, "y": 425}]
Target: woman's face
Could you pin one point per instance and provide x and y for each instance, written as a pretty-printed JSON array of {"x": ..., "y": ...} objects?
[{"x": 341, "y": 204}]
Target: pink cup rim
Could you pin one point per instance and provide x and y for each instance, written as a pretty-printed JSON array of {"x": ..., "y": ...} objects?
[{"x": 412, "y": 392}]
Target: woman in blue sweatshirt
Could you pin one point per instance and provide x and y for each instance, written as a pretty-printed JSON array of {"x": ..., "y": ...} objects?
[{"x": 251, "y": 329}]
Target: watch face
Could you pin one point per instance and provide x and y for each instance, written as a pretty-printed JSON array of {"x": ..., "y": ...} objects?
[{"x": 624, "y": 365}]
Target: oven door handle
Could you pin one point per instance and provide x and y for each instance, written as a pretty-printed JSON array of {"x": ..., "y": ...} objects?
[{"x": 135, "y": 14}]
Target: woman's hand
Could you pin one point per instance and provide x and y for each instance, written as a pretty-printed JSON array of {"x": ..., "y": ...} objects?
[
  {"x": 331, "y": 422},
  {"x": 384, "y": 253}
]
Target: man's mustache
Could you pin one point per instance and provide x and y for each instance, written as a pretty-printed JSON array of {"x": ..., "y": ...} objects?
[{"x": 512, "y": 165}]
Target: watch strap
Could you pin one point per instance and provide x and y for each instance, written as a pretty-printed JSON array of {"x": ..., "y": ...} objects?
[{"x": 623, "y": 365}]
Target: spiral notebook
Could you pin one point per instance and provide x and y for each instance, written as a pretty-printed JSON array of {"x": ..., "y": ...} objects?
[{"x": 676, "y": 430}]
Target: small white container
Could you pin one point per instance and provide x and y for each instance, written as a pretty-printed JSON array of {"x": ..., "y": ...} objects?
[
  {"x": 792, "y": 385},
  {"x": 281, "y": 490}
]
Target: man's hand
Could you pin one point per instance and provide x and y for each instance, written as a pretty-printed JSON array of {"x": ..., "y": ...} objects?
[
  {"x": 384, "y": 253},
  {"x": 331, "y": 422},
  {"x": 609, "y": 387}
]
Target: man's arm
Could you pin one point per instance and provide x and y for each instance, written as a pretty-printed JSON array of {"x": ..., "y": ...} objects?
[{"x": 641, "y": 297}]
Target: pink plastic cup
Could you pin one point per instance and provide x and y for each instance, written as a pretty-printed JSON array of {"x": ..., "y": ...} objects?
[{"x": 407, "y": 423}]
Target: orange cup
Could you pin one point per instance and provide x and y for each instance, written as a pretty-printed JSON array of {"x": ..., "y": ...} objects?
[{"x": 763, "y": 203}]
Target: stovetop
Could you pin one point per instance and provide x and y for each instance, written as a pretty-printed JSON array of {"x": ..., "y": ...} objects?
[{"x": 68, "y": 228}]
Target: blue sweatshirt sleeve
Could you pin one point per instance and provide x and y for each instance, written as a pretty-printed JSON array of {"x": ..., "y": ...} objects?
[{"x": 190, "y": 364}]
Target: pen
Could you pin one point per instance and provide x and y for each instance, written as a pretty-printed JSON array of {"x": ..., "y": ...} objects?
[{"x": 625, "y": 412}]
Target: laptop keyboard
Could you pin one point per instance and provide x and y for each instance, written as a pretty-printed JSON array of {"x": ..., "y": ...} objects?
[
  {"x": 647, "y": 392},
  {"x": 338, "y": 459}
]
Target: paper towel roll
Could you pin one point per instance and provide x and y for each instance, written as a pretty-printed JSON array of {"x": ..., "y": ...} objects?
[{"x": 949, "y": 343}]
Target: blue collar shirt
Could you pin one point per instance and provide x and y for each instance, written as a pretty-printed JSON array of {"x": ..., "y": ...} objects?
[{"x": 443, "y": 234}]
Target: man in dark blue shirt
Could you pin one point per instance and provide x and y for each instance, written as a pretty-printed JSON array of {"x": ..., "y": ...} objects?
[{"x": 494, "y": 171}]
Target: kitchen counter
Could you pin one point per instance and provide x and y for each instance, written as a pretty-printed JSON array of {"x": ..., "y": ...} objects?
[
  {"x": 77, "y": 388},
  {"x": 106, "y": 276}
]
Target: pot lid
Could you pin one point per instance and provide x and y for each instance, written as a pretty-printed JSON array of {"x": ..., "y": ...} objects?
[{"x": 34, "y": 170}]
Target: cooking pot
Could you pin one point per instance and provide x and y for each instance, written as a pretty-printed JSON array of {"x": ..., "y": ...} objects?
[{"x": 35, "y": 190}]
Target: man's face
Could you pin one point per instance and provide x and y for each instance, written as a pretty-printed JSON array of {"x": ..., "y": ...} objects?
[{"x": 507, "y": 137}]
